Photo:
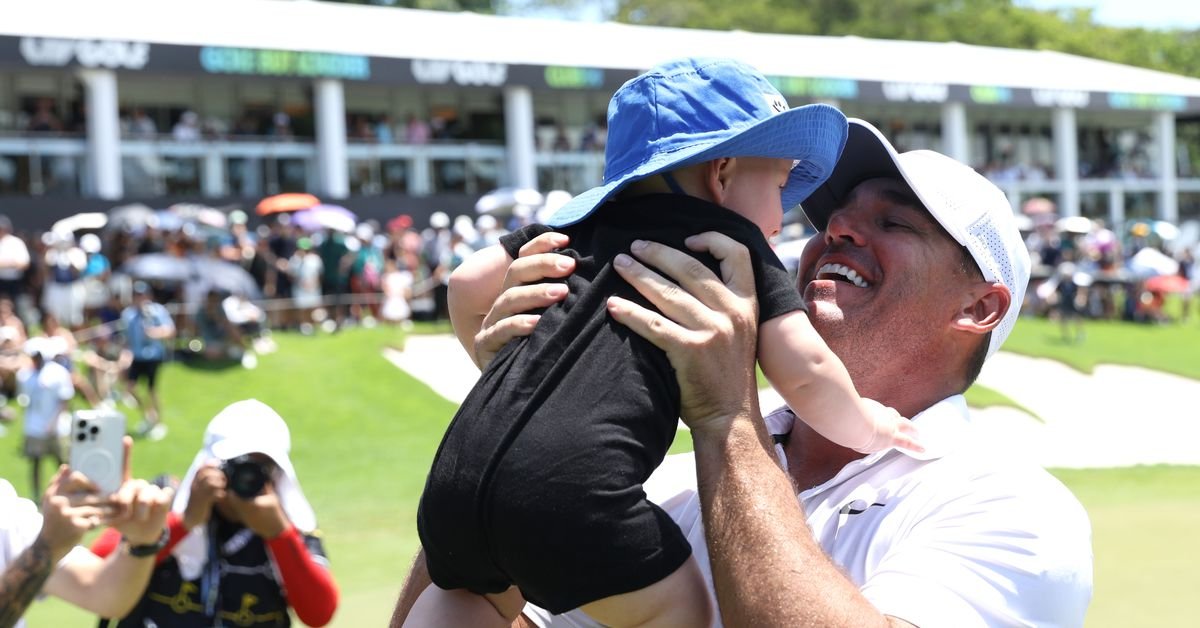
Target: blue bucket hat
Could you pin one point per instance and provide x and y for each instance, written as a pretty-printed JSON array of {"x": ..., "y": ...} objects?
[{"x": 694, "y": 110}]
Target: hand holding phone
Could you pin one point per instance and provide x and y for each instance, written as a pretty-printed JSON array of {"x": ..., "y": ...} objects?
[{"x": 97, "y": 448}]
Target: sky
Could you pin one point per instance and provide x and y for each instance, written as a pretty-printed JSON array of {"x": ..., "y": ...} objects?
[{"x": 1158, "y": 14}]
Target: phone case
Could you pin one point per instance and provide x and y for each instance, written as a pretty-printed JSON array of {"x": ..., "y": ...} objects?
[{"x": 97, "y": 450}]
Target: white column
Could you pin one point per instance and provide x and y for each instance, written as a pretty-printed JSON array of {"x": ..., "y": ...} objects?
[
  {"x": 330, "y": 104},
  {"x": 518, "y": 127},
  {"x": 954, "y": 131},
  {"x": 1168, "y": 184},
  {"x": 212, "y": 181},
  {"x": 1116, "y": 209},
  {"x": 1066, "y": 160},
  {"x": 103, "y": 133}
]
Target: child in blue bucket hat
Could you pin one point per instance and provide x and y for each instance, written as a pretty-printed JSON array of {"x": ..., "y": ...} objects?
[{"x": 536, "y": 490}]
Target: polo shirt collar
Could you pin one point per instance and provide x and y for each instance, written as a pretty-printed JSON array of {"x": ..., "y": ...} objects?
[{"x": 942, "y": 428}]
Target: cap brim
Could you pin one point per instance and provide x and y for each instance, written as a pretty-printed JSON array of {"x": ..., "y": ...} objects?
[
  {"x": 868, "y": 155},
  {"x": 813, "y": 134}
]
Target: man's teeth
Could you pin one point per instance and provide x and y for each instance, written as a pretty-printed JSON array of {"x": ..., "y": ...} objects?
[{"x": 844, "y": 271}]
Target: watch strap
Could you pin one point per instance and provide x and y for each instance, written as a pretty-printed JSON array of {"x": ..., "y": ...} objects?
[{"x": 149, "y": 549}]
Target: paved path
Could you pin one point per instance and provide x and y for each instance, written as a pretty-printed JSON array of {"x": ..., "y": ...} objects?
[{"x": 1118, "y": 416}]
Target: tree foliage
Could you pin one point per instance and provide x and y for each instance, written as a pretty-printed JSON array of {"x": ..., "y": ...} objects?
[{"x": 1002, "y": 23}]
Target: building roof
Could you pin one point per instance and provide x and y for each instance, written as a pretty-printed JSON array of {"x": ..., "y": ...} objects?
[{"x": 382, "y": 32}]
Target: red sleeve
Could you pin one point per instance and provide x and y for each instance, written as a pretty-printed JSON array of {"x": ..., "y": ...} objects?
[
  {"x": 110, "y": 539},
  {"x": 311, "y": 591},
  {"x": 106, "y": 543}
]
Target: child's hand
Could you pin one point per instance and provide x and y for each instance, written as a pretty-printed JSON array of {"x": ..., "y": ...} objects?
[{"x": 891, "y": 430}]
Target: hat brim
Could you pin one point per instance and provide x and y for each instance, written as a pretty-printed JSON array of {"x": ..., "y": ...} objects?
[
  {"x": 869, "y": 155},
  {"x": 814, "y": 135}
]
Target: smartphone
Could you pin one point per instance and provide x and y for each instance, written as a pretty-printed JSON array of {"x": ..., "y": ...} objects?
[{"x": 97, "y": 448}]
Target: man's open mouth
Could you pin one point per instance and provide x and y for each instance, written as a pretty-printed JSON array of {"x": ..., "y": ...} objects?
[{"x": 841, "y": 272}]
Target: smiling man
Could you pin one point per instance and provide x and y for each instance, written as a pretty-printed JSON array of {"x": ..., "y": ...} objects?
[{"x": 915, "y": 278}]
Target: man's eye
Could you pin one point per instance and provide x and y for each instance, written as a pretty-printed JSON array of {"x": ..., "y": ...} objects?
[{"x": 894, "y": 224}]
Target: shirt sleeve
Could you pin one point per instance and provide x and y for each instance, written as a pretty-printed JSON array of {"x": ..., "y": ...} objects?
[{"x": 311, "y": 591}]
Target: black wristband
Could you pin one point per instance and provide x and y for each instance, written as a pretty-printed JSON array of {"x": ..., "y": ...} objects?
[{"x": 149, "y": 549}]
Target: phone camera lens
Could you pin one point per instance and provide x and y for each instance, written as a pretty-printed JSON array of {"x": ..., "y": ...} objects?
[
  {"x": 81, "y": 437},
  {"x": 94, "y": 430},
  {"x": 82, "y": 423}
]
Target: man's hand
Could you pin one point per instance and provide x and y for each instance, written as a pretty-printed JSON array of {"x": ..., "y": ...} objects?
[
  {"x": 70, "y": 508},
  {"x": 522, "y": 293},
  {"x": 208, "y": 487},
  {"x": 139, "y": 508},
  {"x": 263, "y": 513},
  {"x": 708, "y": 326}
]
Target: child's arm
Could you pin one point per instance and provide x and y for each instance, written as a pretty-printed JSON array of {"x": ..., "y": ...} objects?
[
  {"x": 474, "y": 286},
  {"x": 817, "y": 387}
]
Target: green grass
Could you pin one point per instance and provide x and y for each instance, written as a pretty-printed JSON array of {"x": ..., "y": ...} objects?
[
  {"x": 979, "y": 396},
  {"x": 364, "y": 433},
  {"x": 1170, "y": 347},
  {"x": 1145, "y": 543}
]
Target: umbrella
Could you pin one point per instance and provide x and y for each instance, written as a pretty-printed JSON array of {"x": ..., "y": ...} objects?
[
  {"x": 1149, "y": 262},
  {"x": 158, "y": 267},
  {"x": 211, "y": 273},
  {"x": 1168, "y": 283},
  {"x": 1075, "y": 224},
  {"x": 320, "y": 217},
  {"x": 133, "y": 217},
  {"x": 502, "y": 201},
  {"x": 81, "y": 222},
  {"x": 202, "y": 214},
  {"x": 1165, "y": 230},
  {"x": 290, "y": 202}
]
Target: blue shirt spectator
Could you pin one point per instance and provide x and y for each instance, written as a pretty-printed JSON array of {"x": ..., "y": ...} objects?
[{"x": 137, "y": 320}]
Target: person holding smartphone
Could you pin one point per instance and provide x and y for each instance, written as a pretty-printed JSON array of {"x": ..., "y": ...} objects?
[
  {"x": 40, "y": 552},
  {"x": 243, "y": 546}
]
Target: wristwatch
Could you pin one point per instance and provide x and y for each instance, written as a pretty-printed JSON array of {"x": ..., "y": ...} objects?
[{"x": 149, "y": 549}]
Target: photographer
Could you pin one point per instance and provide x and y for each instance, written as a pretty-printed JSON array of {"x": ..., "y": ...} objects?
[{"x": 243, "y": 545}]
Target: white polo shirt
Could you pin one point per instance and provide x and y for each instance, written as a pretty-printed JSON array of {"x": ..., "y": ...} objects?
[{"x": 959, "y": 536}]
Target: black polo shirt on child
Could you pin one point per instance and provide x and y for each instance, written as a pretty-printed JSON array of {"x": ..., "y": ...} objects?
[{"x": 538, "y": 480}]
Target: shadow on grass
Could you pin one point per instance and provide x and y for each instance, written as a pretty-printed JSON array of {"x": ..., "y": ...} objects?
[{"x": 201, "y": 364}]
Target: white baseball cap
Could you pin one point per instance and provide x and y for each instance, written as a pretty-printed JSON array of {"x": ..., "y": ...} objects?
[{"x": 968, "y": 206}]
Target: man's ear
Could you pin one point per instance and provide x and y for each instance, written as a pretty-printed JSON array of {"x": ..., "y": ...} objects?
[{"x": 983, "y": 308}]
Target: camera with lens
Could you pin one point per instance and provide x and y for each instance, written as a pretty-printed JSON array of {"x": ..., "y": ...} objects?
[{"x": 245, "y": 476}]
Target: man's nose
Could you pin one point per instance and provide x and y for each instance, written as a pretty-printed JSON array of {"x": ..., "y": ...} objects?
[{"x": 843, "y": 228}]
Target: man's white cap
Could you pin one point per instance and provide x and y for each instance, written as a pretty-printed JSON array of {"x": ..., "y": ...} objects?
[
  {"x": 439, "y": 220},
  {"x": 968, "y": 206}
]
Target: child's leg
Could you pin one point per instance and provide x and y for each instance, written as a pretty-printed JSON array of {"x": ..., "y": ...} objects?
[
  {"x": 459, "y": 607},
  {"x": 680, "y": 599}
]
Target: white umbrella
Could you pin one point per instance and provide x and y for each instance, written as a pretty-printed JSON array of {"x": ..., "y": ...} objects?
[
  {"x": 1074, "y": 224},
  {"x": 1165, "y": 230},
  {"x": 504, "y": 200},
  {"x": 1149, "y": 262},
  {"x": 79, "y": 222}
]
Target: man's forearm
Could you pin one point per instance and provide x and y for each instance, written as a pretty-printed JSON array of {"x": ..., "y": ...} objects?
[
  {"x": 416, "y": 582},
  {"x": 756, "y": 532},
  {"x": 23, "y": 580},
  {"x": 109, "y": 587}
]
